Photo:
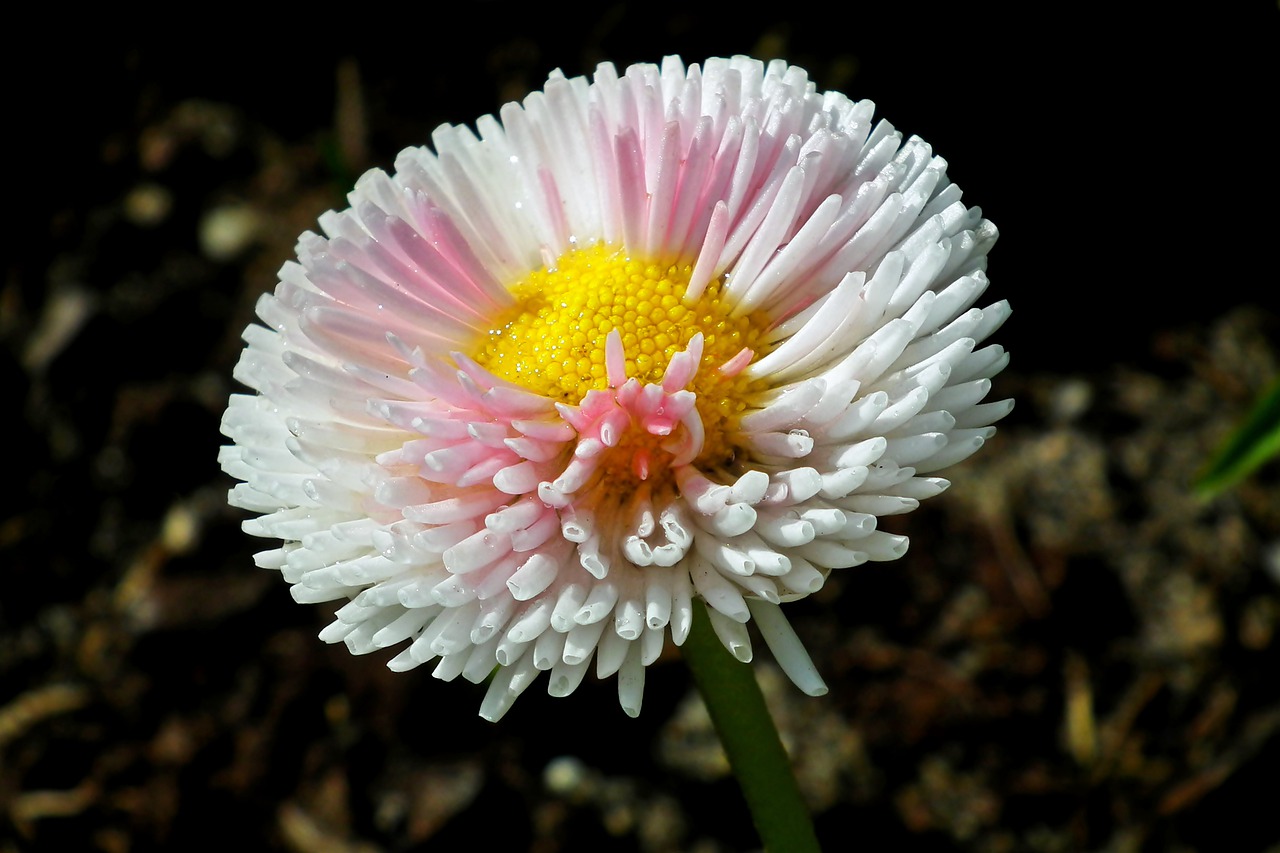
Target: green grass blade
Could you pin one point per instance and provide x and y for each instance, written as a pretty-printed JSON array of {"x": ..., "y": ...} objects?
[{"x": 1254, "y": 442}]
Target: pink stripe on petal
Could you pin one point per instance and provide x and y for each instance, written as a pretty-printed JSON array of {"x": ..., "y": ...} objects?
[
  {"x": 661, "y": 201},
  {"x": 710, "y": 255},
  {"x": 631, "y": 186}
]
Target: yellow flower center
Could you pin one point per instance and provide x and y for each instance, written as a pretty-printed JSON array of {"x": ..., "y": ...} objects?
[{"x": 553, "y": 341}]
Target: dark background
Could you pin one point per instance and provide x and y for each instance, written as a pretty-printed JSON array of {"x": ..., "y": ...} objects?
[{"x": 1075, "y": 654}]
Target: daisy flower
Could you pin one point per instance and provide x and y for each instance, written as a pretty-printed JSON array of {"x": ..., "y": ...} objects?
[{"x": 679, "y": 334}]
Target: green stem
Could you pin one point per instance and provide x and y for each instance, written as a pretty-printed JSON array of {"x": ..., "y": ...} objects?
[{"x": 750, "y": 740}]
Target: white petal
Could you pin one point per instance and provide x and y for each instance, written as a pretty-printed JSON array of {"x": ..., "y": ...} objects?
[{"x": 787, "y": 649}]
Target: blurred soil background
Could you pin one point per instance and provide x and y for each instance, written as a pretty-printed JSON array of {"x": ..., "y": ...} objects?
[{"x": 1076, "y": 654}]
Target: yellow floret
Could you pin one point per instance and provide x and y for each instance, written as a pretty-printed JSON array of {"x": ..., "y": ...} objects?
[{"x": 553, "y": 340}]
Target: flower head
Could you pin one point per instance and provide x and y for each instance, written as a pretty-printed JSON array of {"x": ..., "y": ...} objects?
[{"x": 684, "y": 333}]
